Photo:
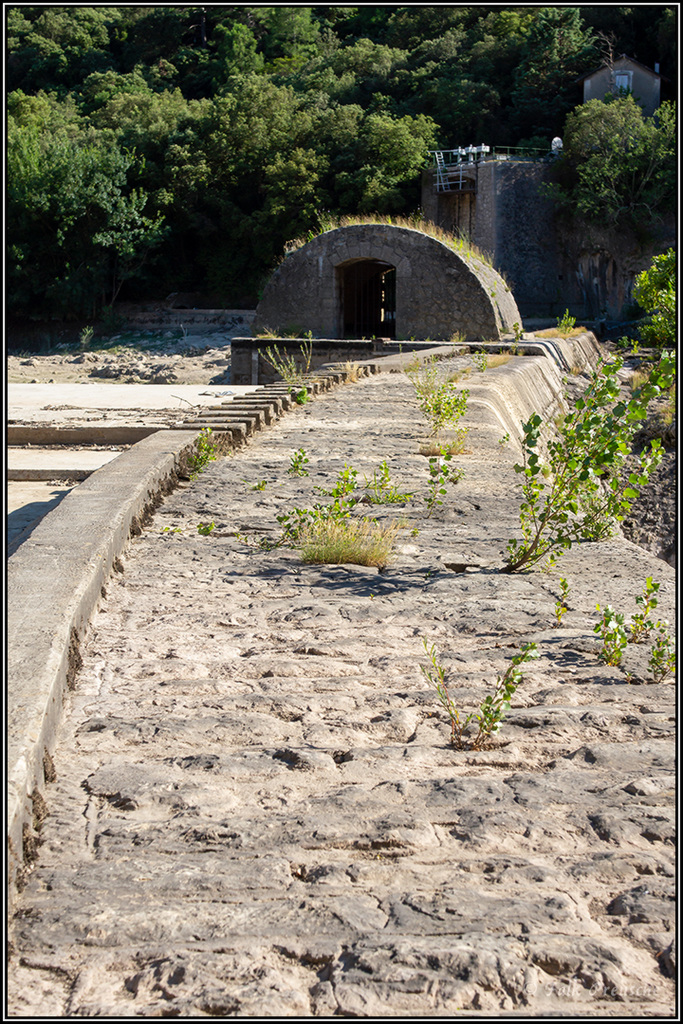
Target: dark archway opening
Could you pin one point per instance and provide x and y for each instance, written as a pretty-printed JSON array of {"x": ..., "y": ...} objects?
[{"x": 368, "y": 299}]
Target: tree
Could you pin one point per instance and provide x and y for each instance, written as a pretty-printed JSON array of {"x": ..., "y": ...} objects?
[
  {"x": 618, "y": 167},
  {"x": 655, "y": 291},
  {"x": 76, "y": 228}
]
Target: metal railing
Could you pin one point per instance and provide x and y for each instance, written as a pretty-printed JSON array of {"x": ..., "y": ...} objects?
[{"x": 451, "y": 164}]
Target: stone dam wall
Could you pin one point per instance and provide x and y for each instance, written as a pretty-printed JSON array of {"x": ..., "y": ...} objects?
[{"x": 250, "y": 805}]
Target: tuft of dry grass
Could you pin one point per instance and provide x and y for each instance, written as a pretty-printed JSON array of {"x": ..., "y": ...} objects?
[
  {"x": 459, "y": 374},
  {"x": 499, "y": 359},
  {"x": 352, "y": 371},
  {"x": 349, "y": 541},
  {"x": 553, "y": 332},
  {"x": 454, "y": 445}
]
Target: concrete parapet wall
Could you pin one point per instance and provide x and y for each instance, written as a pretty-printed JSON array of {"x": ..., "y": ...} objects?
[{"x": 54, "y": 582}]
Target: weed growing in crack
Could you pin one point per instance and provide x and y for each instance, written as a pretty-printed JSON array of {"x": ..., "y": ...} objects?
[
  {"x": 662, "y": 661},
  {"x": 489, "y": 717},
  {"x": 641, "y": 623},
  {"x": 380, "y": 489},
  {"x": 566, "y": 323},
  {"x": 561, "y": 607},
  {"x": 613, "y": 633},
  {"x": 440, "y": 475},
  {"x": 440, "y": 403},
  {"x": 206, "y": 528},
  {"x": 298, "y": 464},
  {"x": 346, "y": 483},
  {"x": 204, "y": 453},
  {"x": 348, "y": 541},
  {"x": 286, "y": 365}
]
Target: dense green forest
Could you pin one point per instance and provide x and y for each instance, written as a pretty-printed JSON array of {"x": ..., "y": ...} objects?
[{"x": 158, "y": 149}]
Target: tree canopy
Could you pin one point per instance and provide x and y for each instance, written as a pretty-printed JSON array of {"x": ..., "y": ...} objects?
[{"x": 153, "y": 149}]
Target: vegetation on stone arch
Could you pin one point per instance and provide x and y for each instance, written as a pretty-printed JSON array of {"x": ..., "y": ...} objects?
[
  {"x": 491, "y": 712},
  {"x": 569, "y": 494}
]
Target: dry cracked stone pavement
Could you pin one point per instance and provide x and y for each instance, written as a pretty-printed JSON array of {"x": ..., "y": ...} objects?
[{"x": 256, "y": 810}]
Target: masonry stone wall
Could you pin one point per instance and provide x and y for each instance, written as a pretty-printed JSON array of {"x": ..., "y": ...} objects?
[
  {"x": 438, "y": 291},
  {"x": 549, "y": 264}
]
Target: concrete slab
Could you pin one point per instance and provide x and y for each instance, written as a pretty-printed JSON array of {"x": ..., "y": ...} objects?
[
  {"x": 56, "y": 463},
  {"x": 28, "y": 501},
  {"x": 62, "y": 403}
]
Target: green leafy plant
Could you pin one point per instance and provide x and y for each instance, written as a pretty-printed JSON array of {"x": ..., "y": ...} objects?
[
  {"x": 491, "y": 712},
  {"x": 613, "y": 633},
  {"x": 440, "y": 403},
  {"x": 204, "y": 453},
  {"x": 295, "y": 522},
  {"x": 85, "y": 337},
  {"x": 206, "y": 528},
  {"x": 655, "y": 291},
  {"x": 380, "y": 489},
  {"x": 260, "y": 485},
  {"x": 519, "y": 331},
  {"x": 584, "y": 484},
  {"x": 662, "y": 662},
  {"x": 440, "y": 475},
  {"x": 171, "y": 529},
  {"x": 481, "y": 361},
  {"x": 566, "y": 322},
  {"x": 641, "y": 623},
  {"x": 561, "y": 607},
  {"x": 346, "y": 483},
  {"x": 505, "y": 439},
  {"x": 298, "y": 464}
]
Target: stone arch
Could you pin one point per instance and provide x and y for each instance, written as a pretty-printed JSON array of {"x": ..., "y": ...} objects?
[{"x": 438, "y": 291}]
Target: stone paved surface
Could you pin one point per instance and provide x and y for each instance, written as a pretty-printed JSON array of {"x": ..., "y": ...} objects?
[{"x": 256, "y": 810}]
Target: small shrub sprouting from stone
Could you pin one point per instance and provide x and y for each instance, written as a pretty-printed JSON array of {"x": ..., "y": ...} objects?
[
  {"x": 489, "y": 717},
  {"x": 561, "y": 606},
  {"x": 612, "y": 632},
  {"x": 641, "y": 623},
  {"x": 566, "y": 323},
  {"x": 297, "y": 466},
  {"x": 616, "y": 634},
  {"x": 438, "y": 399},
  {"x": 440, "y": 475},
  {"x": 566, "y": 497},
  {"x": 662, "y": 662},
  {"x": 204, "y": 453}
]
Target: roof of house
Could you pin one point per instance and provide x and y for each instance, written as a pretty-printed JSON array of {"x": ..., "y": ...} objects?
[{"x": 631, "y": 60}]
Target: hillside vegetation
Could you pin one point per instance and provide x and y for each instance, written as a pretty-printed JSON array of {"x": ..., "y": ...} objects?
[{"x": 158, "y": 149}]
